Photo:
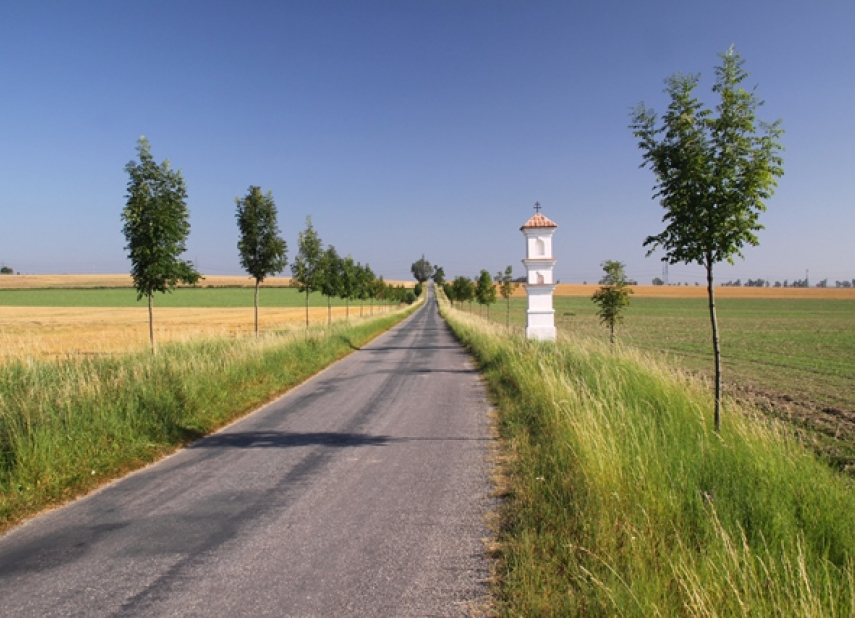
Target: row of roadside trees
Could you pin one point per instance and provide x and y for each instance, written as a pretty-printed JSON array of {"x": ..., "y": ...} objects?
[
  {"x": 156, "y": 224},
  {"x": 483, "y": 289},
  {"x": 322, "y": 270}
]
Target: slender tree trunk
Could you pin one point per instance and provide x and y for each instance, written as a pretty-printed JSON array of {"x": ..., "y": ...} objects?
[
  {"x": 612, "y": 334},
  {"x": 329, "y": 311},
  {"x": 347, "y": 309},
  {"x": 256, "y": 307},
  {"x": 151, "y": 323},
  {"x": 307, "y": 307},
  {"x": 716, "y": 345},
  {"x": 508, "y": 315}
]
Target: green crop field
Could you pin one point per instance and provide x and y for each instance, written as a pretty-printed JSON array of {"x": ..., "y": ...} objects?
[
  {"x": 181, "y": 297},
  {"x": 793, "y": 357}
]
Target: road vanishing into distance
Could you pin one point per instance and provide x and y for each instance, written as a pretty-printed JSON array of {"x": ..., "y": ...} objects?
[{"x": 362, "y": 492}]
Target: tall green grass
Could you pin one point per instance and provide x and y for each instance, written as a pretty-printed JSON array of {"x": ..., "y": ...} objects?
[
  {"x": 67, "y": 426},
  {"x": 622, "y": 501}
]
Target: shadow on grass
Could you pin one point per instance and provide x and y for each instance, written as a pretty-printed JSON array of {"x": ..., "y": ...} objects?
[{"x": 345, "y": 339}]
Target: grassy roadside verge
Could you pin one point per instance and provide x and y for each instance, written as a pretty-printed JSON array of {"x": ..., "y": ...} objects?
[
  {"x": 620, "y": 500},
  {"x": 67, "y": 427}
]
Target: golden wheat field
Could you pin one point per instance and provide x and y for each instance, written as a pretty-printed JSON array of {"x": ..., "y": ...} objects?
[{"x": 63, "y": 332}]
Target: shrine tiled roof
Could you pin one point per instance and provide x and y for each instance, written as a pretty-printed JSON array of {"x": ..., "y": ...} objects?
[{"x": 538, "y": 220}]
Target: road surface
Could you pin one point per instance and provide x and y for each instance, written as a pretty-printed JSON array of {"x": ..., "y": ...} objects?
[{"x": 361, "y": 493}]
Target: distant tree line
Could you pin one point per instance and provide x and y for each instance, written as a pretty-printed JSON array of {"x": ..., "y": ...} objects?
[
  {"x": 765, "y": 283},
  {"x": 795, "y": 283}
]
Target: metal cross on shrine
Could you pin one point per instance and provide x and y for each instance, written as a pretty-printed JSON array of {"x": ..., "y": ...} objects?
[{"x": 537, "y": 207}]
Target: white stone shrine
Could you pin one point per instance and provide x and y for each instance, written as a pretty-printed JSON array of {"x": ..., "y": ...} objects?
[{"x": 539, "y": 287}]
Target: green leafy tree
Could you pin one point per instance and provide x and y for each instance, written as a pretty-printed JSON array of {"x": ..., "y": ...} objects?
[
  {"x": 261, "y": 248},
  {"x": 368, "y": 290},
  {"x": 307, "y": 269},
  {"x": 349, "y": 283},
  {"x": 364, "y": 281},
  {"x": 464, "y": 290},
  {"x": 439, "y": 276},
  {"x": 448, "y": 288},
  {"x": 713, "y": 174},
  {"x": 376, "y": 289},
  {"x": 156, "y": 225},
  {"x": 485, "y": 291},
  {"x": 332, "y": 279},
  {"x": 507, "y": 285},
  {"x": 613, "y": 297},
  {"x": 422, "y": 270},
  {"x": 6, "y": 270}
]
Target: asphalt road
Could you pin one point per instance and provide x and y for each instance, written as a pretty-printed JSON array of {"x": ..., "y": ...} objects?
[{"x": 361, "y": 493}]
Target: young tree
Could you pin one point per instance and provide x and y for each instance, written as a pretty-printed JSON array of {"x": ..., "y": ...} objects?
[
  {"x": 307, "y": 269},
  {"x": 262, "y": 250},
  {"x": 331, "y": 279},
  {"x": 613, "y": 297},
  {"x": 422, "y": 270},
  {"x": 485, "y": 291},
  {"x": 377, "y": 291},
  {"x": 713, "y": 174},
  {"x": 448, "y": 288},
  {"x": 349, "y": 283},
  {"x": 156, "y": 225},
  {"x": 507, "y": 285},
  {"x": 464, "y": 290},
  {"x": 439, "y": 276},
  {"x": 366, "y": 288},
  {"x": 359, "y": 286}
]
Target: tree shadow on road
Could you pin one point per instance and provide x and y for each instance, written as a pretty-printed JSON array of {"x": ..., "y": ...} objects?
[{"x": 284, "y": 439}]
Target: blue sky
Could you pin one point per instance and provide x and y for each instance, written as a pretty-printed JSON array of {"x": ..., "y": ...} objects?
[{"x": 407, "y": 128}]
